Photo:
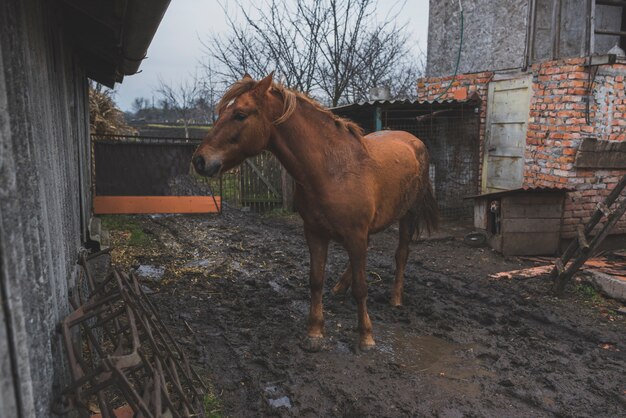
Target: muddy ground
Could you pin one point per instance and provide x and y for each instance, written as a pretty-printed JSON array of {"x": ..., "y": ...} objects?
[{"x": 462, "y": 345}]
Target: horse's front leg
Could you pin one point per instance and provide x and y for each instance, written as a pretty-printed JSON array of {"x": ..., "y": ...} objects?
[
  {"x": 357, "y": 251},
  {"x": 318, "y": 249}
]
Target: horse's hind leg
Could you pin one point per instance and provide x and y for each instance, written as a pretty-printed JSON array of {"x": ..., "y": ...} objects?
[
  {"x": 318, "y": 249},
  {"x": 402, "y": 254},
  {"x": 344, "y": 282},
  {"x": 357, "y": 251}
]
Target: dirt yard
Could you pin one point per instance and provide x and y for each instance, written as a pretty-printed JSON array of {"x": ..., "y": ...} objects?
[{"x": 234, "y": 290}]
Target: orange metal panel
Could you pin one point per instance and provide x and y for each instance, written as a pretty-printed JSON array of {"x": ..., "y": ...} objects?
[{"x": 155, "y": 204}]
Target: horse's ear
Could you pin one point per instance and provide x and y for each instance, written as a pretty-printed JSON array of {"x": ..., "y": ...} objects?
[
  {"x": 246, "y": 76},
  {"x": 264, "y": 85}
]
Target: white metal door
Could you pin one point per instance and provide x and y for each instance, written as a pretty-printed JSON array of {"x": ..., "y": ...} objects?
[{"x": 508, "y": 104}]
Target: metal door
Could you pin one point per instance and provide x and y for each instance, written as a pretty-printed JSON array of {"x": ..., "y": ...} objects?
[{"x": 508, "y": 104}]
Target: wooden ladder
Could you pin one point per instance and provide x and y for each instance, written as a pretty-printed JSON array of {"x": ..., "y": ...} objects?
[{"x": 582, "y": 246}]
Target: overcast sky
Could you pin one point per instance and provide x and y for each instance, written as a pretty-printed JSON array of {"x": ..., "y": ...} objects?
[{"x": 176, "y": 48}]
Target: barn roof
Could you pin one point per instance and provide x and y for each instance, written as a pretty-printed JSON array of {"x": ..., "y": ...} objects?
[{"x": 111, "y": 36}]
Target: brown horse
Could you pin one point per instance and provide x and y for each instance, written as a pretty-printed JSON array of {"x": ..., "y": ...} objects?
[{"x": 347, "y": 186}]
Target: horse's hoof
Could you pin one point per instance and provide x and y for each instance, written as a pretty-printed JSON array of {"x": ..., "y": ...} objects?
[
  {"x": 312, "y": 344},
  {"x": 396, "y": 303},
  {"x": 366, "y": 344}
]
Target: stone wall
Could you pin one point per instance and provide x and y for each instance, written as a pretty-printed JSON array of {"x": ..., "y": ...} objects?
[
  {"x": 494, "y": 35},
  {"x": 44, "y": 200}
]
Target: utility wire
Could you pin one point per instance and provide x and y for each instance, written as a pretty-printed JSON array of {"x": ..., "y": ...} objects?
[{"x": 458, "y": 57}]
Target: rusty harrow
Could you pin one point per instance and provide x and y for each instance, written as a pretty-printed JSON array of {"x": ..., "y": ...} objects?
[{"x": 122, "y": 355}]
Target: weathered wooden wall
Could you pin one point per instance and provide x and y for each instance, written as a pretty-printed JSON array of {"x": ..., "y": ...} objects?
[{"x": 44, "y": 209}]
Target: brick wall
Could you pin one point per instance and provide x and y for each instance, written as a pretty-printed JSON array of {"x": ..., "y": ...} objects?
[{"x": 558, "y": 121}]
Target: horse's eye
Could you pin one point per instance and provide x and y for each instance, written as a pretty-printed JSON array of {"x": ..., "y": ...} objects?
[{"x": 240, "y": 116}]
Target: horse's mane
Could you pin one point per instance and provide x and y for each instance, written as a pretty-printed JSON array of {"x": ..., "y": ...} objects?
[{"x": 290, "y": 98}]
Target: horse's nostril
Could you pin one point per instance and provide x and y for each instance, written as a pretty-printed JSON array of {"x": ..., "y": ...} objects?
[{"x": 198, "y": 163}]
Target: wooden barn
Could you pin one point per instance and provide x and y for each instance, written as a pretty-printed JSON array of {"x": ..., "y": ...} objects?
[
  {"x": 48, "y": 50},
  {"x": 550, "y": 75}
]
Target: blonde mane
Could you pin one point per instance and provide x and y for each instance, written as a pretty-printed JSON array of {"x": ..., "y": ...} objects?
[{"x": 290, "y": 100}]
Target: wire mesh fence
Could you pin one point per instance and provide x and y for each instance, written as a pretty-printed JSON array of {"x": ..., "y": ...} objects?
[{"x": 450, "y": 131}]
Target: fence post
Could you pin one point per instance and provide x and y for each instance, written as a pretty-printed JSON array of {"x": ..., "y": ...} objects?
[{"x": 287, "y": 185}]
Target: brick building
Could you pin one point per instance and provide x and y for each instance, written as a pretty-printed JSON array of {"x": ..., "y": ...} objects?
[{"x": 550, "y": 74}]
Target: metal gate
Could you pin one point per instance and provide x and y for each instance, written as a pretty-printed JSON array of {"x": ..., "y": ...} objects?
[
  {"x": 147, "y": 166},
  {"x": 136, "y": 174}
]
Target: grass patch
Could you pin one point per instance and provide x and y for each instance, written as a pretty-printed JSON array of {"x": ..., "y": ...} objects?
[
  {"x": 212, "y": 406},
  {"x": 587, "y": 292},
  {"x": 128, "y": 227}
]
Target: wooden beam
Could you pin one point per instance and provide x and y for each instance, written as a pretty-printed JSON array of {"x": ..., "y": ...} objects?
[
  {"x": 156, "y": 204},
  {"x": 582, "y": 239},
  {"x": 601, "y": 154}
]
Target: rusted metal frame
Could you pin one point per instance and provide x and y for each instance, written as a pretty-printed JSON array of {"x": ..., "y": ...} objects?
[
  {"x": 168, "y": 339},
  {"x": 170, "y": 356},
  {"x": 157, "y": 373},
  {"x": 154, "y": 324},
  {"x": 135, "y": 401},
  {"x": 584, "y": 254},
  {"x": 79, "y": 318},
  {"x": 138, "y": 310}
]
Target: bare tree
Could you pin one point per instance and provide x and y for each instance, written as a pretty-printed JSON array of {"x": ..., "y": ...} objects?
[
  {"x": 181, "y": 98},
  {"x": 210, "y": 91},
  {"x": 140, "y": 103},
  {"x": 331, "y": 49},
  {"x": 385, "y": 60}
]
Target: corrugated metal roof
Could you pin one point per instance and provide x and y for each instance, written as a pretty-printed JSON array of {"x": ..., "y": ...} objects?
[
  {"x": 525, "y": 189},
  {"x": 370, "y": 103}
]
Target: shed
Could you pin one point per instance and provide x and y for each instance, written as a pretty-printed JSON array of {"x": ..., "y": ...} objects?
[
  {"x": 524, "y": 221},
  {"x": 449, "y": 129}
]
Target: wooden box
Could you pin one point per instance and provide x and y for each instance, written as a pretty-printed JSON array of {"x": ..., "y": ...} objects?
[{"x": 521, "y": 222}]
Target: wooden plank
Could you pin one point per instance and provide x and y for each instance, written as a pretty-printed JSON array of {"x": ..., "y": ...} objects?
[
  {"x": 155, "y": 204},
  {"x": 600, "y": 159},
  {"x": 480, "y": 213},
  {"x": 582, "y": 239},
  {"x": 593, "y": 145},
  {"x": 532, "y": 207},
  {"x": 530, "y": 243},
  {"x": 601, "y": 154},
  {"x": 530, "y": 225}
]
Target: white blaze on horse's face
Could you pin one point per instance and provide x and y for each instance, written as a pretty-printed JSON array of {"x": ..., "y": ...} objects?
[{"x": 242, "y": 131}]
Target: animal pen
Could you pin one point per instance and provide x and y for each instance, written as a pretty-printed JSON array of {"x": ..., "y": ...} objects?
[
  {"x": 450, "y": 131},
  {"x": 140, "y": 174}
]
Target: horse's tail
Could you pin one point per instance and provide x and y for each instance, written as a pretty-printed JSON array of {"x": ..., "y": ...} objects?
[{"x": 427, "y": 214}]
